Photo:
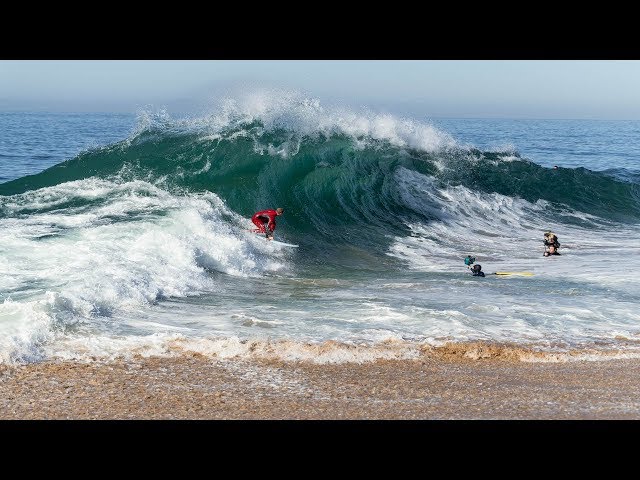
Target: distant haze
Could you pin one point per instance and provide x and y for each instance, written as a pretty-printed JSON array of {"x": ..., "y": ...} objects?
[{"x": 591, "y": 89}]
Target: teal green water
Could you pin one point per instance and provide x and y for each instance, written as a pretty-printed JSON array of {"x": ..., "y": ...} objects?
[
  {"x": 138, "y": 242},
  {"x": 336, "y": 192}
]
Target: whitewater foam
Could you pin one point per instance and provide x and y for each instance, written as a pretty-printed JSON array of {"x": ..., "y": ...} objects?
[
  {"x": 300, "y": 115},
  {"x": 325, "y": 352}
]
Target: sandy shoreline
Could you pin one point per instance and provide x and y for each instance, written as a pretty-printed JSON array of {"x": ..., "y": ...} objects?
[{"x": 196, "y": 387}]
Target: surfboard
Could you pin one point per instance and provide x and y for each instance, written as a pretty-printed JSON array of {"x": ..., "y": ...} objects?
[
  {"x": 522, "y": 274},
  {"x": 276, "y": 242}
]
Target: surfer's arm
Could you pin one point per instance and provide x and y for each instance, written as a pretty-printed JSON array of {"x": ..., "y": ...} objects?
[{"x": 271, "y": 226}]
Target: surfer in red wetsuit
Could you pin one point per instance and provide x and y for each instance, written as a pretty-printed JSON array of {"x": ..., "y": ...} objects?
[{"x": 265, "y": 220}]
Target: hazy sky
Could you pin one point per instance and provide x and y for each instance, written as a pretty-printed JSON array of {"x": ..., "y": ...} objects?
[{"x": 605, "y": 89}]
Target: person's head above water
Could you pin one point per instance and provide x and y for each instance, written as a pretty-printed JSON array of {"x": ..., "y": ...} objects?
[
  {"x": 279, "y": 211},
  {"x": 476, "y": 271}
]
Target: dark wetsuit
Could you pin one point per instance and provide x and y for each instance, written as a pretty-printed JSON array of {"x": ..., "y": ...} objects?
[
  {"x": 477, "y": 272},
  {"x": 555, "y": 243}
]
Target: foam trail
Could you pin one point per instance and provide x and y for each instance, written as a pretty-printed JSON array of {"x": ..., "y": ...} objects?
[{"x": 326, "y": 352}]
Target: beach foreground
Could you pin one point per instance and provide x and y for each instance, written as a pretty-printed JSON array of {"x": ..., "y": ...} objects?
[{"x": 197, "y": 387}]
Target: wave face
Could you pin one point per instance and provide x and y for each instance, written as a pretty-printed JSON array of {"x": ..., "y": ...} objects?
[
  {"x": 159, "y": 215},
  {"x": 343, "y": 178}
]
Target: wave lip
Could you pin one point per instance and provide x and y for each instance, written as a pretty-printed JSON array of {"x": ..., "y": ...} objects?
[{"x": 295, "y": 112}]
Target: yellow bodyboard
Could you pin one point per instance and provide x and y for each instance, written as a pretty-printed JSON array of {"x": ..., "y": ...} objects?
[{"x": 523, "y": 274}]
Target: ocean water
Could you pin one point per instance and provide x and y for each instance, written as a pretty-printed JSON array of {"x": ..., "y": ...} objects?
[{"x": 127, "y": 235}]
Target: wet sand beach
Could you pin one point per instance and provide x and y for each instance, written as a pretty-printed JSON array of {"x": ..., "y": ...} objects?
[{"x": 198, "y": 387}]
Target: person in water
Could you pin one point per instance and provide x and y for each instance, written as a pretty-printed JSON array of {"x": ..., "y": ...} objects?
[
  {"x": 476, "y": 270},
  {"x": 265, "y": 220},
  {"x": 551, "y": 244}
]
